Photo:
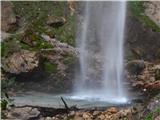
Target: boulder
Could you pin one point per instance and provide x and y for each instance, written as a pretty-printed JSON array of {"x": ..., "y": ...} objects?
[
  {"x": 8, "y": 18},
  {"x": 25, "y": 113},
  {"x": 23, "y": 61},
  {"x": 55, "y": 21}
]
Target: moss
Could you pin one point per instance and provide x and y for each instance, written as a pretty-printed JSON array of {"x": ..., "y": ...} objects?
[
  {"x": 34, "y": 40},
  {"x": 4, "y": 50},
  {"x": 49, "y": 67},
  {"x": 10, "y": 46},
  {"x": 137, "y": 9}
]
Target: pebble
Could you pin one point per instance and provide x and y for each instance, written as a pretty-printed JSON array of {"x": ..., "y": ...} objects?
[
  {"x": 101, "y": 117},
  {"x": 72, "y": 113},
  {"x": 48, "y": 118},
  {"x": 85, "y": 115},
  {"x": 96, "y": 113},
  {"x": 112, "y": 110}
]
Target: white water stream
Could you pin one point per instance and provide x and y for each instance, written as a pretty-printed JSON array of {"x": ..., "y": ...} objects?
[{"x": 100, "y": 41}]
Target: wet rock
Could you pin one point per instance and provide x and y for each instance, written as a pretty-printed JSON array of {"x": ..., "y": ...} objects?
[
  {"x": 23, "y": 61},
  {"x": 25, "y": 113},
  {"x": 136, "y": 67},
  {"x": 8, "y": 19},
  {"x": 55, "y": 21}
]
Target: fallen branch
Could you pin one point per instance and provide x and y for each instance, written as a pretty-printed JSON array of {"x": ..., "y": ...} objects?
[{"x": 65, "y": 104}]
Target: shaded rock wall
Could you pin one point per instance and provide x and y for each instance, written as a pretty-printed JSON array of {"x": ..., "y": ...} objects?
[
  {"x": 141, "y": 41},
  {"x": 142, "y": 34}
]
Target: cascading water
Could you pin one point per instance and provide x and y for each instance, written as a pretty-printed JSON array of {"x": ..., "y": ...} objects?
[{"x": 100, "y": 44}]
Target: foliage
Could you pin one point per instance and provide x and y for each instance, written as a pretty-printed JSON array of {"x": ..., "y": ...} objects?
[
  {"x": 4, "y": 104},
  {"x": 150, "y": 116},
  {"x": 7, "y": 83},
  {"x": 137, "y": 9},
  {"x": 9, "y": 46}
]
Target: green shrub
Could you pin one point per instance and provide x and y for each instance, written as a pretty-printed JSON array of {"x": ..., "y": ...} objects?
[
  {"x": 150, "y": 115},
  {"x": 7, "y": 84}
]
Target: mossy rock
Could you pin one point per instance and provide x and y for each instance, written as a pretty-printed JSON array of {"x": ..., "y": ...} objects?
[
  {"x": 49, "y": 67},
  {"x": 36, "y": 13},
  {"x": 10, "y": 46},
  {"x": 137, "y": 10}
]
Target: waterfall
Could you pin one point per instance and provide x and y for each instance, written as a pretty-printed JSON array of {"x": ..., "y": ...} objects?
[{"x": 100, "y": 39}]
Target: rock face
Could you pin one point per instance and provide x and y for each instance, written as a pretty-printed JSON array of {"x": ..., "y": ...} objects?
[
  {"x": 8, "y": 19},
  {"x": 136, "y": 66},
  {"x": 141, "y": 41},
  {"x": 152, "y": 9},
  {"x": 147, "y": 77},
  {"x": 23, "y": 61}
]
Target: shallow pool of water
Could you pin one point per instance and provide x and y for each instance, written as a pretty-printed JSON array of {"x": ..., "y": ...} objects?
[{"x": 54, "y": 101}]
